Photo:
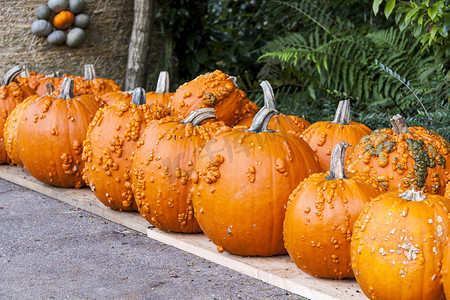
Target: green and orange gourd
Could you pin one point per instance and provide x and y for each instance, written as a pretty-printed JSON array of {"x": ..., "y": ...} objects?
[{"x": 403, "y": 157}]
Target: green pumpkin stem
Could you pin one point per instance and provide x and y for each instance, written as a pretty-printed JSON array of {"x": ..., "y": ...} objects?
[
  {"x": 50, "y": 88},
  {"x": 342, "y": 115},
  {"x": 89, "y": 72},
  {"x": 139, "y": 96},
  {"x": 198, "y": 116},
  {"x": 163, "y": 84},
  {"x": 337, "y": 163},
  {"x": 399, "y": 125},
  {"x": 413, "y": 195},
  {"x": 11, "y": 75},
  {"x": 66, "y": 91}
]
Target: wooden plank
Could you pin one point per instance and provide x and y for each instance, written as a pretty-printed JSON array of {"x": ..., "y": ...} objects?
[{"x": 279, "y": 270}]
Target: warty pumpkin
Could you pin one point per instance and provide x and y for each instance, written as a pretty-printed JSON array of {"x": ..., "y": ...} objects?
[
  {"x": 51, "y": 134},
  {"x": 12, "y": 122},
  {"x": 398, "y": 244},
  {"x": 162, "y": 165},
  {"x": 320, "y": 215},
  {"x": 217, "y": 90},
  {"x": 11, "y": 94},
  {"x": 323, "y": 136},
  {"x": 242, "y": 181},
  {"x": 110, "y": 141},
  {"x": 404, "y": 157},
  {"x": 279, "y": 122}
]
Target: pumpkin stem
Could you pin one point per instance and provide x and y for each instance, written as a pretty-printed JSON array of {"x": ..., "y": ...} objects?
[
  {"x": 56, "y": 74},
  {"x": 50, "y": 88},
  {"x": 11, "y": 75},
  {"x": 413, "y": 195},
  {"x": 399, "y": 124},
  {"x": 163, "y": 84},
  {"x": 66, "y": 91},
  {"x": 234, "y": 79},
  {"x": 25, "y": 72},
  {"x": 342, "y": 115},
  {"x": 89, "y": 72},
  {"x": 269, "y": 97},
  {"x": 139, "y": 96},
  {"x": 261, "y": 120},
  {"x": 196, "y": 117},
  {"x": 337, "y": 164}
]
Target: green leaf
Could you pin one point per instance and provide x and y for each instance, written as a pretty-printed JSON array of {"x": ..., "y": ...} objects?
[
  {"x": 376, "y": 6},
  {"x": 389, "y": 8},
  {"x": 312, "y": 92},
  {"x": 433, "y": 10}
]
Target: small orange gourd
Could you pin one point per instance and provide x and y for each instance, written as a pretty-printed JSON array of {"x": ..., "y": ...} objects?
[{"x": 63, "y": 19}]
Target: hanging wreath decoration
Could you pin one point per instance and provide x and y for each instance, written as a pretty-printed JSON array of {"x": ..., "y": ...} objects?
[{"x": 61, "y": 22}]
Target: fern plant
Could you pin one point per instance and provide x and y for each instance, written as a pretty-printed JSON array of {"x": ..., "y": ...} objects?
[{"x": 334, "y": 58}]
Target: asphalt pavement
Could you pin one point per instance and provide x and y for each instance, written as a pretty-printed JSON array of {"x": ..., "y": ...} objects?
[{"x": 51, "y": 250}]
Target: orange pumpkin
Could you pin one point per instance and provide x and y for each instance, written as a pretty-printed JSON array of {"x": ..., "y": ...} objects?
[
  {"x": 11, "y": 94},
  {"x": 162, "y": 165},
  {"x": 90, "y": 84},
  {"x": 51, "y": 134},
  {"x": 446, "y": 270},
  {"x": 323, "y": 136},
  {"x": 403, "y": 158},
  {"x": 398, "y": 243},
  {"x": 110, "y": 141},
  {"x": 242, "y": 181},
  {"x": 12, "y": 122},
  {"x": 279, "y": 122},
  {"x": 216, "y": 90},
  {"x": 161, "y": 94},
  {"x": 63, "y": 19},
  {"x": 320, "y": 215}
]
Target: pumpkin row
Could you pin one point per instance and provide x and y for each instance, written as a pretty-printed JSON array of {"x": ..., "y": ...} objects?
[{"x": 341, "y": 200}]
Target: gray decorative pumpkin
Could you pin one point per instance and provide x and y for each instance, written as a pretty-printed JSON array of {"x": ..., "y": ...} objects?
[
  {"x": 76, "y": 6},
  {"x": 41, "y": 27},
  {"x": 81, "y": 20},
  {"x": 57, "y": 37},
  {"x": 43, "y": 11},
  {"x": 58, "y": 5},
  {"x": 75, "y": 37}
]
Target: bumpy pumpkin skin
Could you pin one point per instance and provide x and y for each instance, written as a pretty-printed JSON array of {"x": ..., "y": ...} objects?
[
  {"x": 10, "y": 129},
  {"x": 50, "y": 138},
  {"x": 109, "y": 145},
  {"x": 418, "y": 159},
  {"x": 446, "y": 270},
  {"x": 319, "y": 222},
  {"x": 282, "y": 123},
  {"x": 113, "y": 97},
  {"x": 323, "y": 136},
  {"x": 162, "y": 98},
  {"x": 216, "y": 90},
  {"x": 162, "y": 165},
  {"x": 397, "y": 247},
  {"x": 241, "y": 186},
  {"x": 10, "y": 95}
]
